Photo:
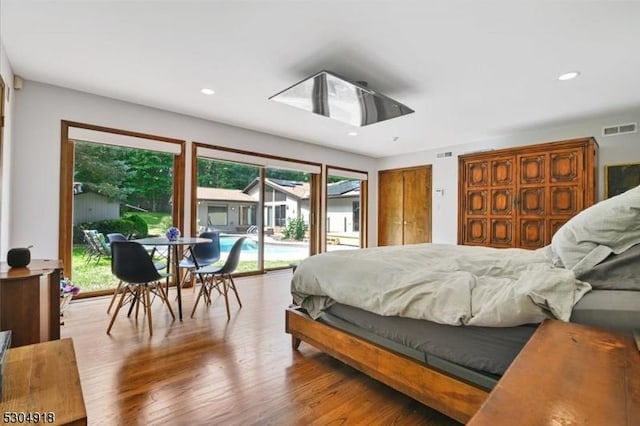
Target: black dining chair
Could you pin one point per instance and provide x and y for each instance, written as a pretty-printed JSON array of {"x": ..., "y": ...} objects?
[
  {"x": 116, "y": 236},
  {"x": 219, "y": 277},
  {"x": 133, "y": 266},
  {"x": 205, "y": 254}
]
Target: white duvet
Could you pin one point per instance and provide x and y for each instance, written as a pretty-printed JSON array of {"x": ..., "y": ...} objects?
[{"x": 447, "y": 284}]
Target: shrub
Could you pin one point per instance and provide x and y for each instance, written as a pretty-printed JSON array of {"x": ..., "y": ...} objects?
[
  {"x": 295, "y": 229},
  {"x": 141, "y": 227}
]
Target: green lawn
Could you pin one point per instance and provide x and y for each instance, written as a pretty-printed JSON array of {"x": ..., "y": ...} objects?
[
  {"x": 158, "y": 223},
  {"x": 96, "y": 276}
]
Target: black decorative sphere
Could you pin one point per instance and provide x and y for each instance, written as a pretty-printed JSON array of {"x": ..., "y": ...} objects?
[{"x": 18, "y": 257}]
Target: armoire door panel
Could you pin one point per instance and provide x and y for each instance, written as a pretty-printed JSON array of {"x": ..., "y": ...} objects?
[
  {"x": 532, "y": 233},
  {"x": 477, "y": 174},
  {"x": 501, "y": 202},
  {"x": 476, "y": 231},
  {"x": 477, "y": 202},
  {"x": 532, "y": 169},
  {"x": 564, "y": 166},
  {"x": 501, "y": 232},
  {"x": 554, "y": 225},
  {"x": 565, "y": 200},
  {"x": 531, "y": 201},
  {"x": 502, "y": 172}
]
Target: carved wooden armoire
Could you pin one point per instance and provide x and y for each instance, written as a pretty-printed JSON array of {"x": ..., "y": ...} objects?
[{"x": 519, "y": 197}]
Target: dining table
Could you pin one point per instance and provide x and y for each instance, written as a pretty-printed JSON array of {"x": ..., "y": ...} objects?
[{"x": 174, "y": 254}]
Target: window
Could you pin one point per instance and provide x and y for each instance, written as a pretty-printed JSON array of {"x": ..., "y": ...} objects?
[
  {"x": 108, "y": 175},
  {"x": 281, "y": 215},
  {"x": 217, "y": 215}
]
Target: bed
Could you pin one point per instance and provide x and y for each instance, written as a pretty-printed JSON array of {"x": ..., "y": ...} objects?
[{"x": 441, "y": 323}]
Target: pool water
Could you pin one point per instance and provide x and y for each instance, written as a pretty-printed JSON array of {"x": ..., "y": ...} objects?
[
  {"x": 226, "y": 242},
  {"x": 250, "y": 246}
]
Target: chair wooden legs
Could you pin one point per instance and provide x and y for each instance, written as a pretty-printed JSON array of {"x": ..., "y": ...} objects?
[
  {"x": 221, "y": 283},
  {"x": 232, "y": 286},
  {"x": 115, "y": 295},
  {"x": 163, "y": 296},
  {"x": 115, "y": 314},
  {"x": 140, "y": 295}
]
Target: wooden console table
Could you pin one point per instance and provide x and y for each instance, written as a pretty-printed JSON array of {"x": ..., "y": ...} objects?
[
  {"x": 568, "y": 374},
  {"x": 30, "y": 301},
  {"x": 42, "y": 380}
]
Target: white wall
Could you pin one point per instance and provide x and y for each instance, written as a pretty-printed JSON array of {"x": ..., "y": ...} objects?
[
  {"x": 35, "y": 176},
  {"x": 612, "y": 150},
  {"x": 7, "y": 75}
]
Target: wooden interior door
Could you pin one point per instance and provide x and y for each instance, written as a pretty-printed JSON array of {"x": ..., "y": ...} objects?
[
  {"x": 390, "y": 207},
  {"x": 417, "y": 205}
]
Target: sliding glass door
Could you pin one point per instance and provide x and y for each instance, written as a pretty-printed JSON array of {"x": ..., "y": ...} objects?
[
  {"x": 227, "y": 202},
  {"x": 346, "y": 201},
  {"x": 270, "y": 201}
]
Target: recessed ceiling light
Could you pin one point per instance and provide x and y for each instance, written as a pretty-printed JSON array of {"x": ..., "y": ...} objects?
[
  {"x": 569, "y": 75},
  {"x": 207, "y": 91},
  {"x": 353, "y": 133}
]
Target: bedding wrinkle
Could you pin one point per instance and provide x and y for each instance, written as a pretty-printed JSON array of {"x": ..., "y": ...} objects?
[{"x": 447, "y": 284}]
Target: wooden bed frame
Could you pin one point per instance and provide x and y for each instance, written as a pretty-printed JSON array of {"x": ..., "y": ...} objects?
[{"x": 452, "y": 396}]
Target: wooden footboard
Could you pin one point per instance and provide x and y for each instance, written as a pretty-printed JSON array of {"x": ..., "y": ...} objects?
[{"x": 451, "y": 396}]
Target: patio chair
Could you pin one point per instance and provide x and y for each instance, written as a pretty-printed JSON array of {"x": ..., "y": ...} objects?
[
  {"x": 219, "y": 277},
  {"x": 96, "y": 246}
]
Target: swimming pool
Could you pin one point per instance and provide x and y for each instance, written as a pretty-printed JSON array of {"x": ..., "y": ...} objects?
[{"x": 281, "y": 251}]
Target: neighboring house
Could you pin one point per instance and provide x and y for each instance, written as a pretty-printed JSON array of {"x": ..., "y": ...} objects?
[
  {"x": 234, "y": 210},
  {"x": 284, "y": 200},
  {"x": 89, "y": 206},
  {"x": 343, "y": 206},
  {"x": 230, "y": 210}
]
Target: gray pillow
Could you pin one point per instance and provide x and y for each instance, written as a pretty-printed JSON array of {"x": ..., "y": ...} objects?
[
  {"x": 610, "y": 226},
  {"x": 617, "y": 272}
]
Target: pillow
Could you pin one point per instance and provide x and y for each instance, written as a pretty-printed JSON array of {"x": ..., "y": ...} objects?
[
  {"x": 610, "y": 226},
  {"x": 616, "y": 272}
]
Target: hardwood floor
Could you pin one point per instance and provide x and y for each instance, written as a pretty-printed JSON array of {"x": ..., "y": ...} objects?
[{"x": 208, "y": 370}]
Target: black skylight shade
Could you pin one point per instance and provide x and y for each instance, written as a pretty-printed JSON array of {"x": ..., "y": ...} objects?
[{"x": 332, "y": 96}]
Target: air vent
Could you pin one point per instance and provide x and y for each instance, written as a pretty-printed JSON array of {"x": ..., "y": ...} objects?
[
  {"x": 620, "y": 129},
  {"x": 444, "y": 154}
]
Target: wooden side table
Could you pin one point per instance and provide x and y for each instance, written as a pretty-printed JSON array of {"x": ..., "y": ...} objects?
[
  {"x": 568, "y": 374},
  {"x": 42, "y": 380},
  {"x": 30, "y": 301}
]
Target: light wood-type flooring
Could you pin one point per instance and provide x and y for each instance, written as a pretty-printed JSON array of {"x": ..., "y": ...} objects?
[{"x": 209, "y": 371}]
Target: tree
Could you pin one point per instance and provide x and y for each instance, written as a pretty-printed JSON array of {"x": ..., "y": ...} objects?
[
  {"x": 133, "y": 176},
  {"x": 100, "y": 168},
  {"x": 151, "y": 178}
]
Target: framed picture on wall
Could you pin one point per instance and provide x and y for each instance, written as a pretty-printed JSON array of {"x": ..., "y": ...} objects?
[{"x": 620, "y": 177}]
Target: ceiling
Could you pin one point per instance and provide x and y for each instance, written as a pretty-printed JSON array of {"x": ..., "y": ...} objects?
[{"x": 471, "y": 70}]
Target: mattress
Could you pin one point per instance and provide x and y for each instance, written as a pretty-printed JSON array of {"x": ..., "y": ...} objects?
[
  {"x": 616, "y": 310},
  {"x": 484, "y": 350}
]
